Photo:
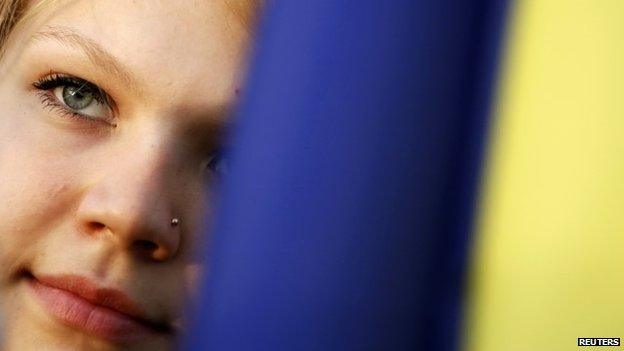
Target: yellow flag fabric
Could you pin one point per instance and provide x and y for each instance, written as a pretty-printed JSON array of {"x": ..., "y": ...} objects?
[{"x": 548, "y": 262}]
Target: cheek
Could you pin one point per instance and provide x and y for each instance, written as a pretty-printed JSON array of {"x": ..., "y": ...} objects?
[
  {"x": 193, "y": 276},
  {"x": 35, "y": 201},
  {"x": 198, "y": 218},
  {"x": 35, "y": 189}
]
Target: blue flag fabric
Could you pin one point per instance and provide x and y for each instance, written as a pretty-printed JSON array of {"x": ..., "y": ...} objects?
[{"x": 345, "y": 219}]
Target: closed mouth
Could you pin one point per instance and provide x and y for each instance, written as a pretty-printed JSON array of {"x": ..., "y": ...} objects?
[{"x": 105, "y": 312}]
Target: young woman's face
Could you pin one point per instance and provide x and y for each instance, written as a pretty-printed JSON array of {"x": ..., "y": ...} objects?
[{"x": 110, "y": 113}]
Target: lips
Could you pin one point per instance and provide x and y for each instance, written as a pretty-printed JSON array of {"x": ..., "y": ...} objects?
[{"x": 104, "y": 312}]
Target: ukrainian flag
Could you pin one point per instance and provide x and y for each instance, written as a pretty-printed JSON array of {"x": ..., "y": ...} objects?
[{"x": 424, "y": 175}]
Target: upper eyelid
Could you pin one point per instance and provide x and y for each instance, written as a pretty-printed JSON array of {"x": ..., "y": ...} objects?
[{"x": 98, "y": 56}]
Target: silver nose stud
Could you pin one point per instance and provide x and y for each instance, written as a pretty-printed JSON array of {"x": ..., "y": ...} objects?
[{"x": 175, "y": 222}]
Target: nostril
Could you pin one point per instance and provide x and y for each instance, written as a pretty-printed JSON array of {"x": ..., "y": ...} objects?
[
  {"x": 150, "y": 251},
  {"x": 95, "y": 226},
  {"x": 144, "y": 245}
]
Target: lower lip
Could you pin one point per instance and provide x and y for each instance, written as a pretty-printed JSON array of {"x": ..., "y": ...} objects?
[{"x": 81, "y": 314}]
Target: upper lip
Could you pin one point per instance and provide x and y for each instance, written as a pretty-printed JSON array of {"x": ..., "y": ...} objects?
[{"x": 103, "y": 296}]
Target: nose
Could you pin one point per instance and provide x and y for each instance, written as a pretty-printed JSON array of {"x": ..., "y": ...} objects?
[{"x": 128, "y": 203}]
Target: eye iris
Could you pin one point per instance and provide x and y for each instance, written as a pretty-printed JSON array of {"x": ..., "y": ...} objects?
[
  {"x": 219, "y": 164},
  {"x": 77, "y": 98}
]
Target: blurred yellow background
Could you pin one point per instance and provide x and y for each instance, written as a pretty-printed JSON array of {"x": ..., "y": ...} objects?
[{"x": 548, "y": 261}]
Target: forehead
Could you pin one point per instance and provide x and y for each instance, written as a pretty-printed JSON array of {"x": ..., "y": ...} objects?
[{"x": 186, "y": 51}]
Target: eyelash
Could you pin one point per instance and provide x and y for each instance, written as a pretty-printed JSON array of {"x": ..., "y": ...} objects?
[{"x": 47, "y": 84}]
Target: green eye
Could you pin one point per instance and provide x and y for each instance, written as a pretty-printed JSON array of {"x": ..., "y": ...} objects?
[{"x": 77, "y": 98}]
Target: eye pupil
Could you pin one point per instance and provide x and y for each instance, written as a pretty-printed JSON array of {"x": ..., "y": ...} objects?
[{"x": 77, "y": 98}]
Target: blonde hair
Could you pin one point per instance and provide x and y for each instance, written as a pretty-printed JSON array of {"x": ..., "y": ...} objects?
[{"x": 10, "y": 13}]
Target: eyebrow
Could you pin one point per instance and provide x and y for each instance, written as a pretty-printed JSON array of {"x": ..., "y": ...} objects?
[{"x": 98, "y": 56}]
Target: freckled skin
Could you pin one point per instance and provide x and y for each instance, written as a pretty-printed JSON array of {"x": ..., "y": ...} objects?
[{"x": 77, "y": 196}]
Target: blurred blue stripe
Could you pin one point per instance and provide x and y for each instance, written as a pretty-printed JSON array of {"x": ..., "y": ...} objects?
[{"x": 339, "y": 224}]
